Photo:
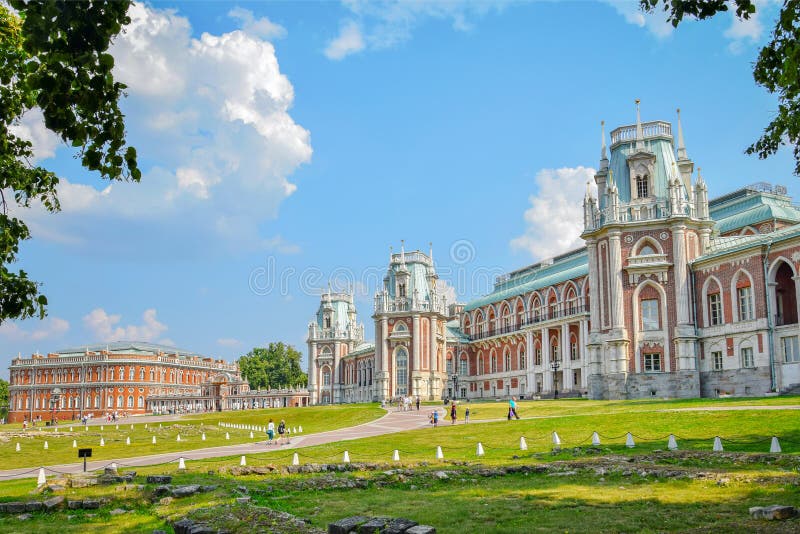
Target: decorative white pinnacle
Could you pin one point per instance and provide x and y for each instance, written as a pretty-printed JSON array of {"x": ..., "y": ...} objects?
[
  {"x": 403, "y": 252},
  {"x": 681, "y": 147},
  {"x": 639, "y": 134},
  {"x": 603, "y": 141}
]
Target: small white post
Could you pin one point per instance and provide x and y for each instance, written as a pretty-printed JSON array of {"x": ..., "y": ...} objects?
[
  {"x": 128, "y": 440},
  {"x": 629, "y": 441},
  {"x": 101, "y": 427},
  {"x": 70, "y": 429},
  {"x": 295, "y": 459},
  {"x": 131, "y": 427},
  {"x": 396, "y": 456},
  {"x": 775, "y": 446},
  {"x": 556, "y": 441},
  {"x": 479, "y": 450},
  {"x": 17, "y": 447},
  {"x": 595, "y": 439},
  {"x": 181, "y": 463},
  {"x": 294, "y": 430},
  {"x": 74, "y": 443},
  {"x": 300, "y": 428},
  {"x": 179, "y": 438},
  {"x": 243, "y": 462},
  {"x": 346, "y": 457},
  {"x": 523, "y": 445},
  {"x": 672, "y": 444},
  {"x": 251, "y": 435},
  {"x": 717, "y": 444},
  {"x": 203, "y": 437},
  {"x": 439, "y": 453},
  {"x": 42, "y": 480},
  {"x": 154, "y": 440},
  {"x": 102, "y": 442},
  {"x": 45, "y": 445},
  {"x": 117, "y": 427}
]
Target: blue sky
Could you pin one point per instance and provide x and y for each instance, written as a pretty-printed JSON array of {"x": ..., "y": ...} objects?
[{"x": 284, "y": 143}]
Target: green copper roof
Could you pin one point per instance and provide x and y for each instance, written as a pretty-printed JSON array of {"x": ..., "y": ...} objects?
[
  {"x": 128, "y": 347},
  {"x": 364, "y": 348},
  {"x": 750, "y": 206},
  {"x": 454, "y": 333},
  {"x": 565, "y": 267},
  {"x": 728, "y": 245}
]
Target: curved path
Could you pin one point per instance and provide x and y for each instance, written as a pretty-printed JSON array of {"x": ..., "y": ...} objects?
[{"x": 390, "y": 423}]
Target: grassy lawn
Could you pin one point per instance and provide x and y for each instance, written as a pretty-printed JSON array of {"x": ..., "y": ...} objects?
[
  {"x": 191, "y": 428},
  {"x": 609, "y": 488}
]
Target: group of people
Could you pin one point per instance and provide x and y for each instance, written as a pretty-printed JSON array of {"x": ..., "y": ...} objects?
[
  {"x": 434, "y": 417},
  {"x": 283, "y": 432},
  {"x": 405, "y": 404}
]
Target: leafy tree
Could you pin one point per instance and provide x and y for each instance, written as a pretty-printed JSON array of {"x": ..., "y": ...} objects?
[
  {"x": 3, "y": 399},
  {"x": 777, "y": 68},
  {"x": 53, "y": 56},
  {"x": 274, "y": 366}
]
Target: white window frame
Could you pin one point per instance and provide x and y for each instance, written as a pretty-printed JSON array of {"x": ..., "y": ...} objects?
[
  {"x": 748, "y": 358},
  {"x": 717, "y": 360},
  {"x": 652, "y": 362},
  {"x": 791, "y": 349}
]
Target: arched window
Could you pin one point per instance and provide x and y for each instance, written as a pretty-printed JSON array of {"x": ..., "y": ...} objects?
[
  {"x": 111, "y": 373},
  {"x": 493, "y": 363},
  {"x": 744, "y": 297},
  {"x": 121, "y": 373},
  {"x": 401, "y": 370},
  {"x": 480, "y": 364},
  {"x": 649, "y": 312},
  {"x": 463, "y": 368},
  {"x": 521, "y": 356},
  {"x": 646, "y": 250},
  {"x": 554, "y": 354},
  {"x": 140, "y": 402},
  {"x": 131, "y": 371},
  {"x": 537, "y": 353},
  {"x": 507, "y": 361},
  {"x": 141, "y": 373},
  {"x": 326, "y": 377},
  {"x": 130, "y": 401},
  {"x": 120, "y": 402},
  {"x": 713, "y": 302}
]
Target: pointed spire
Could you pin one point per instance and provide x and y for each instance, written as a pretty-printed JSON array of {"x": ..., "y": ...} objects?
[
  {"x": 700, "y": 176},
  {"x": 603, "y": 156},
  {"x": 681, "y": 145},
  {"x": 430, "y": 253},
  {"x": 402, "y": 252},
  {"x": 391, "y": 253},
  {"x": 639, "y": 134},
  {"x": 588, "y": 190},
  {"x": 611, "y": 185}
]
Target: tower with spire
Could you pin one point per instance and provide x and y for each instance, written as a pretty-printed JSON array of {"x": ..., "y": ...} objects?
[
  {"x": 410, "y": 315},
  {"x": 331, "y": 336},
  {"x": 642, "y": 231}
]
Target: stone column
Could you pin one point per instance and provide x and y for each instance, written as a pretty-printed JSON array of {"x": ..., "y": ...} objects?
[
  {"x": 615, "y": 277},
  {"x": 416, "y": 344},
  {"x": 312, "y": 373},
  {"x": 547, "y": 374},
  {"x": 530, "y": 376},
  {"x": 681, "y": 280},
  {"x": 583, "y": 340},
  {"x": 594, "y": 293}
]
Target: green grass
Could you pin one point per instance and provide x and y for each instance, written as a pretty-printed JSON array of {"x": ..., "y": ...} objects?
[{"x": 60, "y": 451}]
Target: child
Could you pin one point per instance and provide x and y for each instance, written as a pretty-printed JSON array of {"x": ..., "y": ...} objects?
[
  {"x": 466, "y": 415},
  {"x": 270, "y": 432}
]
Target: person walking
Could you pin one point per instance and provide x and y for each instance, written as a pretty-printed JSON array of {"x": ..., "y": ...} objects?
[
  {"x": 417, "y": 403},
  {"x": 453, "y": 413},
  {"x": 435, "y": 418},
  {"x": 466, "y": 415},
  {"x": 270, "y": 432},
  {"x": 512, "y": 408},
  {"x": 281, "y": 430}
]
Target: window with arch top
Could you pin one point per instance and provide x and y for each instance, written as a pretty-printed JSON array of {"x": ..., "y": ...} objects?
[
  {"x": 642, "y": 186},
  {"x": 646, "y": 250}
]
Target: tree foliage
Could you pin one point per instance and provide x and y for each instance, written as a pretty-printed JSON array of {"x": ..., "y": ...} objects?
[
  {"x": 3, "y": 398},
  {"x": 54, "y": 56},
  {"x": 277, "y": 365},
  {"x": 777, "y": 68}
]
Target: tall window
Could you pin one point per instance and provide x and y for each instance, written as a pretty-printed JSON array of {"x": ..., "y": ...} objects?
[
  {"x": 401, "y": 289},
  {"x": 747, "y": 357},
  {"x": 507, "y": 362},
  {"x": 130, "y": 401},
  {"x": 120, "y": 402},
  {"x": 493, "y": 364},
  {"x": 652, "y": 363},
  {"x": 744, "y": 295},
  {"x": 449, "y": 366},
  {"x": 131, "y": 371},
  {"x": 791, "y": 350},
  {"x": 573, "y": 351},
  {"x": 326, "y": 377},
  {"x": 554, "y": 352},
  {"x": 522, "y": 361},
  {"x": 650, "y": 314},
  {"x": 327, "y": 321},
  {"x": 463, "y": 369},
  {"x": 401, "y": 367},
  {"x": 646, "y": 250},
  {"x": 538, "y": 356},
  {"x": 111, "y": 375},
  {"x": 716, "y": 360},
  {"x": 714, "y": 309},
  {"x": 641, "y": 187}
]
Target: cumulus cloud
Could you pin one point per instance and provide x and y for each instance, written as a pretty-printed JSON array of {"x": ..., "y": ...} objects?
[
  {"x": 379, "y": 25},
  {"x": 261, "y": 27},
  {"x": 554, "y": 221},
  {"x": 31, "y": 128},
  {"x": 348, "y": 42},
  {"x": 210, "y": 117},
  {"x": 742, "y": 32},
  {"x": 106, "y": 327},
  {"x": 48, "y": 328},
  {"x": 656, "y": 22}
]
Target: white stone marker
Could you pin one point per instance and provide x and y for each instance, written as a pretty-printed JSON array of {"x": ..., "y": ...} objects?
[
  {"x": 203, "y": 437},
  {"x": 243, "y": 462},
  {"x": 295, "y": 459},
  {"x": 629, "y": 441},
  {"x": 396, "y": 456},
  {"x": 45, "y": 445},
  {"x": 717, "y": 444},
  {"x": 479, "y": 450},
  {"x": 775, "y": 446},
  {"x": 102, "y": 442},
  {"x": 595, "y": 439},
  {"x": 42, "y": 480},
  {"x": 439, "y": 453},
  {"x": 672, "y": 444},
  {"x": 346, "y": 457},
  {"x": 74, "y": 444},
  {"x": 128, "y": 440},
  {"x": 154, "y": 440},
  {"x": 181, "y": 463}
]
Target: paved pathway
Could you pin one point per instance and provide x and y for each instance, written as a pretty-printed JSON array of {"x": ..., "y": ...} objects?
[{"x": 388, "y": 424}]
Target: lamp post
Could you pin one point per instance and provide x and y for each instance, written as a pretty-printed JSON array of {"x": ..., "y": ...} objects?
[
  {"x": 55, "y": 398},
  {"x": 455, "y": 385},
  {"x": 555, "y": 364}
]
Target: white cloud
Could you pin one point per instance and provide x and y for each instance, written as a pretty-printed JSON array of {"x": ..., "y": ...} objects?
[
  {"x": 48, "y": 328},
  {"x": 379, "y": 25},
  {"x": 742, "y": 32},
  {"x": 262, "y": 27},
  {"x": 655, "y": 22},
  {"x": 210, "y": 118},
  {"x": 31, "y": 128},
  {"x": 105, "y": 327},
  {"x": 228, "y": 342},
  {"x": 554, "y": 221},
  {"x": 348, "y": 42}
]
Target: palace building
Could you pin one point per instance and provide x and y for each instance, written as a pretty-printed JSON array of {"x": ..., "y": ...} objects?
[
  {"x": 673, "y": 295},
  {"x": 134, "y": 378}
]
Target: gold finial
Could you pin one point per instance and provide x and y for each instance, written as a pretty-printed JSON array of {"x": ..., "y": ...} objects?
[{"x": 637, "y": 101}]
